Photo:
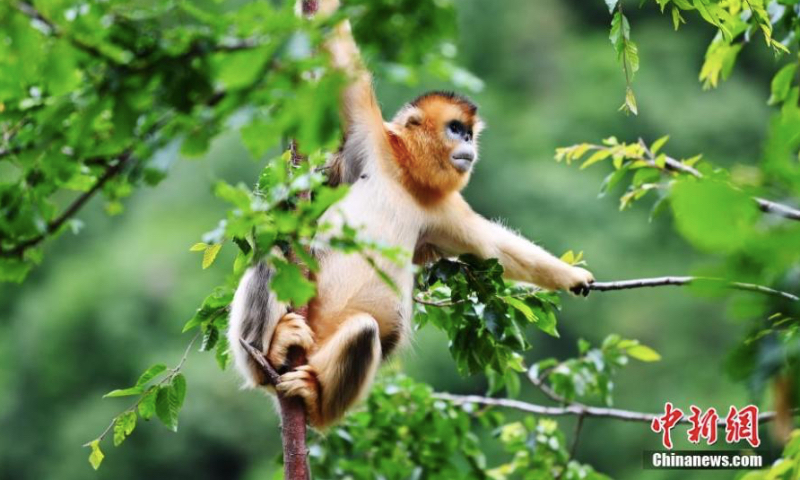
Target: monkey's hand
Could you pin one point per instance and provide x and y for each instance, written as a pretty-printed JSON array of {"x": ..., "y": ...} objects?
[
  {"x": 576, "y": 280},
  {"x": 292, "y": 331}
]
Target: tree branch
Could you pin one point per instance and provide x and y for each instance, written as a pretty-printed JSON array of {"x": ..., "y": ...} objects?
[
  {"x": 293, "y": 421},
  {"x": 31, "y": 12},
  {"x": 766, "y": 206},
  {"x": 292, "y": 409},
  {"x": 575, "y": 409},
  {"x": 679, "y": 281},
  {"x": 72, "y": 209},
  {"x": 652, "y": 282}
]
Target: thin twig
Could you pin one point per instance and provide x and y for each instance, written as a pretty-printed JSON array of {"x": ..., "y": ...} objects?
[
  {"x": 258, "y": 357},
  {"x": 573, "y": 446},
  {"x": 578, "y": 410},
  {"x": 31, "y": 12},
  {"x": 678, "y": 281},
  {"x": 432, "y": 303},
  {"x": 548, "y": 392},
  {"x": 173, "y": 371}
]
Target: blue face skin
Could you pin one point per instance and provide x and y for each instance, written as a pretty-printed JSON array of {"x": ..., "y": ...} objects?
[{"x": 464, "y": 154}]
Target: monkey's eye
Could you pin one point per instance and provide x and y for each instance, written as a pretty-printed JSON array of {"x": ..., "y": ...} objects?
[{"x": 458, "y": 130}]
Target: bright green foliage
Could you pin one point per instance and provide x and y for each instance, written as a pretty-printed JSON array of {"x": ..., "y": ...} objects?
[
  {"x": 91, "y": 91},
  {"x": 123, "y": 426},
  {"x": 96, "y": 457},
  {"x": 628, "y": 55},
  {"x": 717, "y": 209},
  {"x": 786, "y": 468},
  {"x": 405, "y": 431},
  {"x": 736, "y": 22},
  {"x": 92, "y": 95},
  {"x": 590, "y": 374},
  {"x": 770, "y": 349},
  {"x": 484, "y": 317},
  {"x": 713, "y": 216},
  {"x": 162, "y": 398},
  {"x": 538, "y": 450}
]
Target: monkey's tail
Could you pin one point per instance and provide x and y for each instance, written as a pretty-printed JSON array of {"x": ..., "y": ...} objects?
[{"x": 255, "y": 312}]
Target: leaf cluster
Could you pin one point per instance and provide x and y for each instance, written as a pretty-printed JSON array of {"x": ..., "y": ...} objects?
[
  {"x": 591, "y": 373},
  {"x": 485, "y": 318}
]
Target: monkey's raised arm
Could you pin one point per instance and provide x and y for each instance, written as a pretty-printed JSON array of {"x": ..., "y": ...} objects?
[
  {"x": 458, "y": 229},
  {"x": 361, "y": 115}
]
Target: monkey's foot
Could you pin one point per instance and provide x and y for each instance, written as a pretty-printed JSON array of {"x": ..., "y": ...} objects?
[
  {"x": 292, "y": 330},
  {"x": 302, "y": 382}
]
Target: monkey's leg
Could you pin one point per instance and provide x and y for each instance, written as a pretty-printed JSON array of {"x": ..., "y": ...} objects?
[
  {"x": 292, "y": 331},
  {"x": 339, "y": 373}
]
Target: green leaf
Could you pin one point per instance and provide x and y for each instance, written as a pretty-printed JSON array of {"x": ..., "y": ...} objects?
[
  {"x": 198, "y": 247},
  {"x": 289, "y": 284},
  {"x": 222, "y": 354},
  {"x": 630, "y": 102},
  {"x": 596, "y": 157},
  {"x": 123, "y": 426},
  {"x": 125, "y": 392},
  {"x": 611, "y": 4},
  {"x": 259, "y": 137},
  {"x": 713, "y": 216},
  {"x": 781, "y": 83},
  {"x": 643, "y": 353},
  {"x": 96, "y": 457},
  {"x": 522, "y": 308},
  {"x": 179, "y": 389},
  {"x": 167, "y": 407},
  {"x": 238, "y": 196},
  {"x": 239, "y": 69},
  {"x": 147, "y": 404},
  {"x": 677, "y": 19},
  {"x": 656, "y": 146},
  {"x": 150, "y": 374},
  {"x": 210, "y": 337},
  {"x": 210, "y": 255},
  {"x": 547, "y": 324}
]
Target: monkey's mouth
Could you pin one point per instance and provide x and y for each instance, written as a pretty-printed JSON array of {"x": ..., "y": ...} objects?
[{"x": 462, "y": 161}]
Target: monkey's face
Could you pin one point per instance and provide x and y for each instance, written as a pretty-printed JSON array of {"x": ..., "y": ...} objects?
[
  {"x": 439, "y": 140},
  {"x": 464, "y": 152}
]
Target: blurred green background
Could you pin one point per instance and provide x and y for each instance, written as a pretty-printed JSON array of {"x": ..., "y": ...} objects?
[{"x": 110, "y": 301}]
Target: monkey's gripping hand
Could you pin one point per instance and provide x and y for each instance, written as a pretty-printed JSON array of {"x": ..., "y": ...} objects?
[{"x": 577, "y": 280}]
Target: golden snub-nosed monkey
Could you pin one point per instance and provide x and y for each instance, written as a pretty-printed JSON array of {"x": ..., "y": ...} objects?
[{"x": 405, "y": 177}]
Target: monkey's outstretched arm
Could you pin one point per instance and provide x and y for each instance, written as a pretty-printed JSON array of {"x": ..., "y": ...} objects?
[
  {"x": 361, "y": 115},
  {"x": 458, "y": 229}
]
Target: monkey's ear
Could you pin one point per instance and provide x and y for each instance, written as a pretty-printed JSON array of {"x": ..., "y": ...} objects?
[
  {"x": 414, "y": 119},
  {"x": 409, "y": 116}
]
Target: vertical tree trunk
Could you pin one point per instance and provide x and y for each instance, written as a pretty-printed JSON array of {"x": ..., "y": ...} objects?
[{"x": 293, "y": 414}]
